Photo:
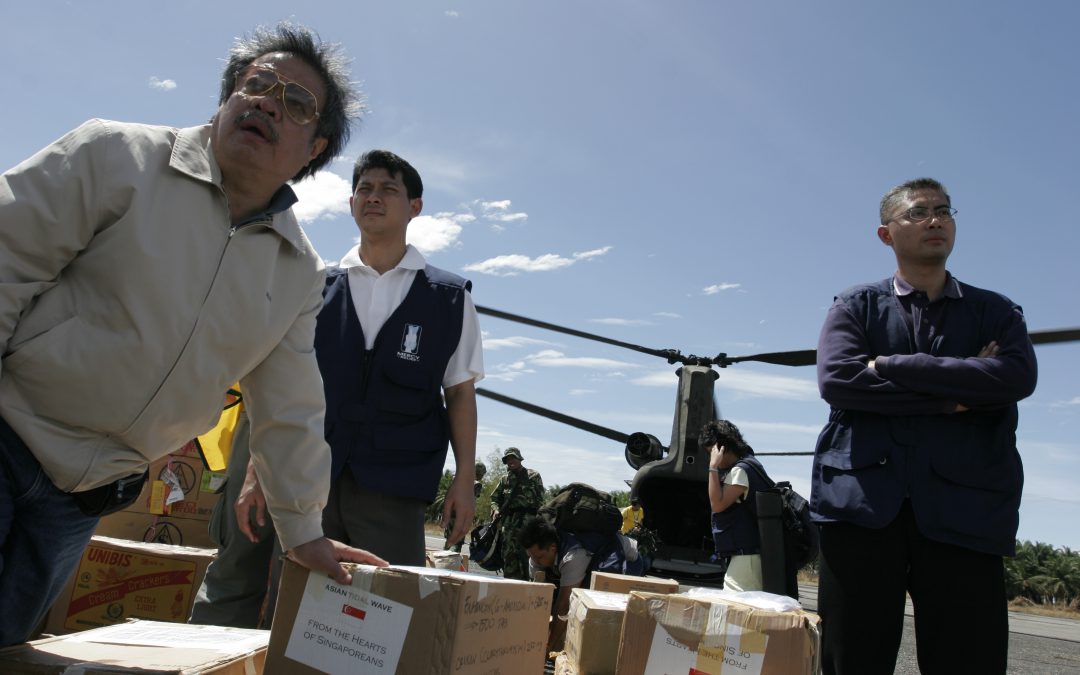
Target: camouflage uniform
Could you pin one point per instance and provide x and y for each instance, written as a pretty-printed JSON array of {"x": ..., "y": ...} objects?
[{"x": 517, "y": 496}]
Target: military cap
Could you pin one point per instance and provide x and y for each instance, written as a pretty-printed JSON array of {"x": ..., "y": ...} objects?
[{"x": 512, "y": 452}]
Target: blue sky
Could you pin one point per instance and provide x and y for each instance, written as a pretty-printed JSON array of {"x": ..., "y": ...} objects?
[{"x": 702, "y": 176}]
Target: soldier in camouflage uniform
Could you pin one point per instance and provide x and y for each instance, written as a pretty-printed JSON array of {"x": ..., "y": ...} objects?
[{"x": 516, "y": 498}]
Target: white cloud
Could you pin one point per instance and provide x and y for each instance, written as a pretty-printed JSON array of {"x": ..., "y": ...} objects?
[
  {"x": 747, "y": 383},
  {"x": 550, "y": 358},
  {"x": 781, "y": 427},
  {"x": 716, "y": 288},
  {"x": 510, "y": 265},
  {"x": 621, "y": 322},
  {"x": 1047, "y": 451},
  {"x": 596, "y": 252},
  {"x": 460, "y": 218},
  {"x": 514, "y": 342},
  {"x": 498, "y": 213},
  {"x": 513, "y": 264},
  {"x": 555, "y": 359},
  {"x": 1074, "y": 401},
  {"x": 508, "y": 372},
  {"x": 323, "y": 195},
  {"x": 581, "y": 392},
  {"x": 668, "y": 315},
  {"x": 163, "y": 85},
  {"x": 769, "y": 386},
  {"x": 433, "y": 233},
  {"x": 451, "y": 13}
]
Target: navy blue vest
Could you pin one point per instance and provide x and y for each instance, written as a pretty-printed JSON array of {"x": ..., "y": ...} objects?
[
  {"x": 735, "y": 531},
  {"x": 385, "y": 417}
]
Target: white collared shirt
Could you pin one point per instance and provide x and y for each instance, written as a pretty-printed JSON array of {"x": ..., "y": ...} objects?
[{"x": 375, "y": 297}]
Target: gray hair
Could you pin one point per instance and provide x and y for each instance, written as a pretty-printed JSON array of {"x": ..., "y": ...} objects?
[
  {"x": 894, "y": 197},
  {"x": 343, "y": 104}
]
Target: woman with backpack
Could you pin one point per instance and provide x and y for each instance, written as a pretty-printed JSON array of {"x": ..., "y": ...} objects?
[{"x": 733, "y": 485}]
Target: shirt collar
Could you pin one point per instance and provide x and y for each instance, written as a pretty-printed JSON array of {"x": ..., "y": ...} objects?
[
  {"x": 193, "y": 155},
  {"x": 412, "y": 260},
  {"x": 282, "y": 200},
  {"x": 952, "y": 287}
]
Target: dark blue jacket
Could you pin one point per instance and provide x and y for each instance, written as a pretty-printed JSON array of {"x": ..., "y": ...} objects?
[
  {"x": 892, "y": 432},
  {"x": 385, "y": 416},
  {"x": 735, "y": 530}
]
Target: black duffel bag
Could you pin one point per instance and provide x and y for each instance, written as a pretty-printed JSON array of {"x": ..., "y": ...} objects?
[{"x": 484, "y": 546}]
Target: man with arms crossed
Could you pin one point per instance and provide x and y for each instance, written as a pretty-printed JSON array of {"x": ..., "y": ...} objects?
[
  {"x": 917, "y": 479},
  {"x": 143, "y": 271},
  {"x": 395, "y": 337}
]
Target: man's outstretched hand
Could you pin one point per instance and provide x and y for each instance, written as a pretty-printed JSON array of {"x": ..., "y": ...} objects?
[
  {"x": 326, "y": 555},
  {"x": 461, "y": 504}
]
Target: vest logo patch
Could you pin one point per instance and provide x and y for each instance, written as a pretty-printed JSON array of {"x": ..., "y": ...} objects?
[{"x": 410, "y": 343}]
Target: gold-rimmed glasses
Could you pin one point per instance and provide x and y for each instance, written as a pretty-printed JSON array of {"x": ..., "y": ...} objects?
[{"x": 300, "y": 104}]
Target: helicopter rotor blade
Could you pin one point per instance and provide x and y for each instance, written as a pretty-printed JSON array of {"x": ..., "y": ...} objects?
[
  {"x": 808, "y": 357},
  {"x": 498, "y": 314},
  {"x": 1053, "y": 336},
  {"x": 557, "y": 416},
  {"x": 801, "y": 357}
]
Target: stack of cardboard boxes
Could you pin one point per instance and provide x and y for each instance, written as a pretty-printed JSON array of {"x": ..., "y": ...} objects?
[
  {"x": 392, "y": 620},
  {"x": 174, "y": 506},
  {"x": 134, "y": 566},
  {"x": 704, "y": 632}
]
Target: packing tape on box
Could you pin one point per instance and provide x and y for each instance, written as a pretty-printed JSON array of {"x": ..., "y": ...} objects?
[
  {"x": 426, "y": 585},
  {"x": 362, "y": 576},
  {"x": 720, "y": 632}
]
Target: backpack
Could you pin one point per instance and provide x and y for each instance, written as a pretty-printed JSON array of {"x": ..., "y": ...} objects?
[
  {"x": 583, "y": 510},
  {"x": 800, "y": 535},
  {"x": 484, "y": 546}
]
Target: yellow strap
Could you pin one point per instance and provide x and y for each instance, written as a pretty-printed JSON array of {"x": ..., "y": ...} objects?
[{"x": 215, "y": 445}]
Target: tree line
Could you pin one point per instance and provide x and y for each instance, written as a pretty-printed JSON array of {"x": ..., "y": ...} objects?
[{"x": 1044, "y": 574}]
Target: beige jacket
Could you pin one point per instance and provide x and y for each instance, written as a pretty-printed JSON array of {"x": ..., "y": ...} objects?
[{"x": 128, "y": 305}]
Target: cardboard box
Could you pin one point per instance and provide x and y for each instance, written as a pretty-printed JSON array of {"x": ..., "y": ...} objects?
[
  {"x": 117, "y": 580},
  {"x": 447, "y": 560},
  {"x": 142, "y": 647},
  {"x": 408, "y": 620},
  {"x": 180, "y": 487},
  {"x": 593, "y": 627},
  {"x": 708, "y": 632},
  {"x": 150, "y": 528},
  {"x": 622, "y": 583}
]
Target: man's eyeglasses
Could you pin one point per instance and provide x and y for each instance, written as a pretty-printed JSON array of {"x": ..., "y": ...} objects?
[
  {"x": 919, "y": 214},
  {"x": 300, "y": 104}
]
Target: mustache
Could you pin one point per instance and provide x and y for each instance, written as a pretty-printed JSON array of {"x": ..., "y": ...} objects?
[{"x": 267, "y": 122}]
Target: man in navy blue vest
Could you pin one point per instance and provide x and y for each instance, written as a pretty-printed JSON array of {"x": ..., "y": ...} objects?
[
  {"x": 917, "y": 479},
  {"x": 395, "y": 338}
]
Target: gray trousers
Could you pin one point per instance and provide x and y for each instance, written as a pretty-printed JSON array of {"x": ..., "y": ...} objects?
[
  {"x": 244, "y": 576},
  {"x": 390, "y": 527}
]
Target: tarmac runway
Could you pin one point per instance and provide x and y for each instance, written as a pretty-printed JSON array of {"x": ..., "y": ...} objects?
[{"x": 1038, "y": 645}]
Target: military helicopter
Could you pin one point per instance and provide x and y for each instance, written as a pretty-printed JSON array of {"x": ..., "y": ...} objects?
[{"x": 670, "y": 480}]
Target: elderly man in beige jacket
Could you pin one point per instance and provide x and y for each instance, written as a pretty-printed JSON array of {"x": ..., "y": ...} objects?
[{"x": 144, "y": 270}]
